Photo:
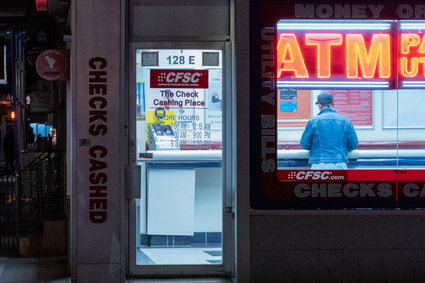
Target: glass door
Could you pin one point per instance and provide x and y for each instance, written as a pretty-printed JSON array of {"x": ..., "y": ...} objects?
[{"x": 177, "y": 219}]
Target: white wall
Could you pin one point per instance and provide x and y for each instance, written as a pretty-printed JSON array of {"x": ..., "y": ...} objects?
[
  {"x": 169, "y": 189},
  {"x": 208, "y": 200}
]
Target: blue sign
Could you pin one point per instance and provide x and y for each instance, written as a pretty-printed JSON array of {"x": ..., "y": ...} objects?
[{"x": 288, "y": 106}]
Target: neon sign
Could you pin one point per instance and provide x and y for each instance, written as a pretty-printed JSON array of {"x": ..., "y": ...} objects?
[
  {"x": 412, "y": 54},
  {"x": 350, "y": 54}
]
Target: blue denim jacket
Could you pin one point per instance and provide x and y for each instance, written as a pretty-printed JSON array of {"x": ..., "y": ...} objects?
[{"x": 329, "y": 136}]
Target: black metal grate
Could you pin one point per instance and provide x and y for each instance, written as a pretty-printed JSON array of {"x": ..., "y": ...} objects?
[
  {"x": 41, "y": 192},
  {"x": 8, "y": 215}
]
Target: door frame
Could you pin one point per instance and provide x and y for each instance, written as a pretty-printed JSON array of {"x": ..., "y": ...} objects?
[{"x": 227, "y": 268}]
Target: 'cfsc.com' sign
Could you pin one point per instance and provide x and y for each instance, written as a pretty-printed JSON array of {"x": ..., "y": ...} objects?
[{"x": 178, "y": 78}]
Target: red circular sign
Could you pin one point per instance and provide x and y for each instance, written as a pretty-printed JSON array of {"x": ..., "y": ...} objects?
[{"x": 53, "y": 65}]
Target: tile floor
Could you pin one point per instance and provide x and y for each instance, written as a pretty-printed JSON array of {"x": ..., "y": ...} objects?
[{"x": 188, "y": 256}]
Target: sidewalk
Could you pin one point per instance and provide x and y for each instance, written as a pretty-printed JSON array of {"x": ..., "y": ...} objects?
[{"x": 34, "y": 270}]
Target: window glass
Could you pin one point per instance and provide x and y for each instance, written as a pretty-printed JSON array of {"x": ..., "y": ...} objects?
[
  {"x": 350, "y": 118},
  {"x": 374, "y": 114},
  {"x": 179, "y": 102},
  {"x": 410, "y": 125}
]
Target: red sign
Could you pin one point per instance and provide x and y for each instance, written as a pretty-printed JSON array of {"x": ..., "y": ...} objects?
[
  {"x": 354, "y": 104},
  {"x": 412, "y": 56},
  {"x": 340, "y": 54},
  {"x": 349, "y": 54},
  {"x": 53, "y": 65},
  {"x": 326, "y": 55},
  {"x": 350, "y": 175},
  {"x": 41, "y": 5},
  {"x": 402, "y": 186},
  {"x": 178, "y": 78}
]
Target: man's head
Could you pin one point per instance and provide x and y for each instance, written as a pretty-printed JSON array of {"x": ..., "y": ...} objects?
[{"x": 325, "y": 100}]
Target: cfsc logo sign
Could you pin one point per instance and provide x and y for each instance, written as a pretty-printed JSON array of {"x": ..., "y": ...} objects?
[
  {"x": 313, "y": 175},
  {"x": 178, "y": 78}
]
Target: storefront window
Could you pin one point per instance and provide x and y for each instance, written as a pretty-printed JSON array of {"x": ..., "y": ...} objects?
[
  {"x": 350, "y": 130},
  {"x": 389, "y": 124}
]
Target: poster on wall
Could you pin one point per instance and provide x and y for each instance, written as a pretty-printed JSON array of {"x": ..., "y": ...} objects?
[
  {"x": 180, "y": 95},
  {"x": 294, "y": 107},
  {"x": 183, "y": 98},
  {"x": 214, "y": 100},
  {"x": 354, "y": 104},
  {"x": 140, "y": 101}
]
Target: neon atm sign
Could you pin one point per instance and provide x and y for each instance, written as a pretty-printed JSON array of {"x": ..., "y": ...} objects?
[
  {"x": 411, "y": 54},
  {"x": 350, "y": 54}
]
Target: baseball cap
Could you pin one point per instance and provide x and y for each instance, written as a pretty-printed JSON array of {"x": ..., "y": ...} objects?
[{"x": 325, "y": 99}]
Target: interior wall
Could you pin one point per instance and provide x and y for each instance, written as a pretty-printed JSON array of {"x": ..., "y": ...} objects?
[
  {"x": 208, "y": 200},
  {"x": 337, "y": 246}
]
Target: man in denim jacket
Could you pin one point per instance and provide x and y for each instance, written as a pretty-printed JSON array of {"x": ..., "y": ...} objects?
[{"x": 329, "y": 136}]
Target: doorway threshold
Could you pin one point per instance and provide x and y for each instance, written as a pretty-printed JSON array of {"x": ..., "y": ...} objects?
[{"x": 186, "y": 280}]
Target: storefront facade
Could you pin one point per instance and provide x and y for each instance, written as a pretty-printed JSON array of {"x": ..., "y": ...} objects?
[{"x": 186, "y": 121}]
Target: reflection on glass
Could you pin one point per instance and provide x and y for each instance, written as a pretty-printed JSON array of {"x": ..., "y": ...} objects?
[
  {"x": 390, "y": 125},
  {"x": 179, "y": 128},
  {"x": 410, "y": 127}
]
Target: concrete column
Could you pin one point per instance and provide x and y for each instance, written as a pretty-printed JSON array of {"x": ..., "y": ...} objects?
[{"x": 96, "y": 244}]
